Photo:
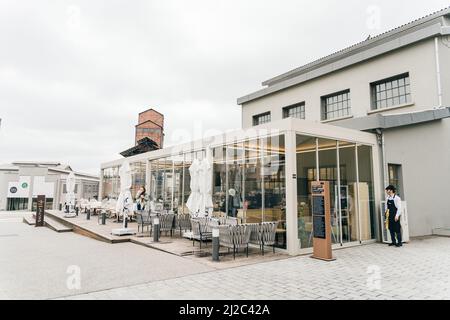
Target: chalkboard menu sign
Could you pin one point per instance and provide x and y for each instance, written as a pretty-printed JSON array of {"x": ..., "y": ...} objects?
[
  {"x": 319, "y": 227},
  {"x": 40, "y": 211},
  {"x": 318, "y": 205}
]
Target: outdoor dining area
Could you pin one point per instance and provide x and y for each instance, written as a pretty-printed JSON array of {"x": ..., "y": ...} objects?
[{"x": 250, "y": 190}]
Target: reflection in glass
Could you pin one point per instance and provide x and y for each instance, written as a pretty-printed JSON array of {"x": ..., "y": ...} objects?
[
  {"x": 219, "y": 181},
  {"x": 178, "y": 183},
  {"x": 366, "y": 193},
  {"x": 138, "y": 176},
  {"x": 328, "y": 172},
  {"x": 253, "y": 182},
  {"x": 235, "y": 165},
  {"x": 306, "y": 164},
  {"x": 274, "y": 177},
  {"x": 347, "y": 163},
  {"x": 111, "y": 180}
]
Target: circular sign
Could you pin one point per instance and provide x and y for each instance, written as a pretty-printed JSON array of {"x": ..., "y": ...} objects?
[
  {"x": 24, "y": 185},
  {"x": 13, "y": 190}
]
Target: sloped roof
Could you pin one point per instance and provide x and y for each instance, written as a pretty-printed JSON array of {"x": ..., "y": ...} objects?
[{"x": 144, "y": 145}]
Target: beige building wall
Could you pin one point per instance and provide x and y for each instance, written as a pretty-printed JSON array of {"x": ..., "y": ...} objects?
[
  {"x": 417, "y": 59},
  {"x": 423, "y": 150}
]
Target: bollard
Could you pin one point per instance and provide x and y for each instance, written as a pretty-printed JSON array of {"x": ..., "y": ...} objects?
[
  {"x": 88, "y": 214},
  {"x": 103, "y": 217},
  {"x": 60, "y": 207},
  {"x": 215, "y": 244},
  {"x": 125, "y": 222},
  {"x": 77, "y": 210},
  {"x": 156, "y": 230}
]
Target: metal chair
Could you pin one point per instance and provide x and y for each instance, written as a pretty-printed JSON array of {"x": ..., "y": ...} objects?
[
  {"x": 183, "y": 222},
  {"x": 234, "y": 237},
  {"x": 166, "y": 223},
  {"x": 268, "y": 233},
  {"x": 143, "y": 219},
  {"x": 199, "y": 232}
]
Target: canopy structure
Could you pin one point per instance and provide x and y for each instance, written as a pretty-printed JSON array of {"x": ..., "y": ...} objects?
[{"x": 263, "y": 174}]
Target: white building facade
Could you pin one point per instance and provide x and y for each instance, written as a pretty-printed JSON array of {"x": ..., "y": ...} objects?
[
  {"x": 22, "y": 182},
  {"x": 395, "y": 85}
]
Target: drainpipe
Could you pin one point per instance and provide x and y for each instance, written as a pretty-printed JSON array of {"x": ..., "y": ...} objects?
[
  {"x": 381, "y": 142},
  {"x": 438, "y": 71}
]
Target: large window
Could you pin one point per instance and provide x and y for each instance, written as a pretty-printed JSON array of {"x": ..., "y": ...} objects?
[
  {"x": 391, "y": 92},
  {"x": 336, "y": 105},
  {"x": 261, "y": 118},
  {"x": 295, "y": 111}
]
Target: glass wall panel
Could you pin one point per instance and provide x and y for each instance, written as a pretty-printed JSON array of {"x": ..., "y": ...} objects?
[
  {"x": 158, "y": 167},
  {"x": 253, "y": 182},
  {"x": 168, "y": 184},
  {"x": 274, "y": 177},
  {"x": 188, "y": 157},
  {"x": 306, "y": 169},
  {"x": 111, "y": 181},
  {"x": 178, "y": 183},
  {"x": 138, "y": 177},
  {"x": 328, "y": 172},
  {"x": 366, "y": 193},
  {"x": 219, "y": 181},
  {"x": 235, "y": 165},
  {"x": 349, "y": 209}
]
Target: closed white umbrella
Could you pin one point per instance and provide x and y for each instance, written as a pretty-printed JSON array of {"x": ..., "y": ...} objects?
[
  {"x": 125, "y": 201},
  {"x": 70, "y": 195},
  {"x": 193, "y": 200},
  {"x": 205, "y": 186}
]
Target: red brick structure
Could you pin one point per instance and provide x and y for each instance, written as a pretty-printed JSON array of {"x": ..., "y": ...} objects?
[{"x": 150, "y": 125}]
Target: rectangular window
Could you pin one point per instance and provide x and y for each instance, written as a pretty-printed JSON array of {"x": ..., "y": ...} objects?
[
  {"x": 336, "y": 105},
  {"x": 261, "y": 118},
  {"x": 395, "y": 174},
  {"x": 295, "y": 111},
  {"x": 391, "y": 92}
]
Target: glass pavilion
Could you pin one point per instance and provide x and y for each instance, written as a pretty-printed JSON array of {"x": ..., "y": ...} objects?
[{"x": 265, "y": 174}]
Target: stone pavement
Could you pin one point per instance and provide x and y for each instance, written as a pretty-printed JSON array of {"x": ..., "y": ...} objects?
[
  {"x": 38, "y": 263},
  {"x": 419, "y": 270}
]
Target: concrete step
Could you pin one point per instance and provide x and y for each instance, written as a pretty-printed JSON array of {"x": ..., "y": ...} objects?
[
  {"x": 55, "y": 225},
  {"x": 30, "y": 220}
]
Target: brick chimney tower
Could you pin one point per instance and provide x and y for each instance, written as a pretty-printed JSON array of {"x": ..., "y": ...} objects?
[{"x": 150, "y": 125}]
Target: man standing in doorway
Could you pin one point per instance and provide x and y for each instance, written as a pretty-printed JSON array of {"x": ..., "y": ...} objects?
[{"x": 394, "y": 209}]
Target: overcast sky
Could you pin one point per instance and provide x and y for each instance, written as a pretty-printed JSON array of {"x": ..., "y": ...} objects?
[{"x": 75, "y": 74}]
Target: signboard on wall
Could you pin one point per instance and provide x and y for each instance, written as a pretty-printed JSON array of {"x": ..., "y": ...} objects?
[
  {"x": 321, "y": 211},
  {"x": 19, "y": 189},
  {"x": 40, "y": 210}
]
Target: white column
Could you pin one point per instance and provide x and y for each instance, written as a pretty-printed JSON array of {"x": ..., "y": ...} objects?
[{"x": 293, "y": 246}]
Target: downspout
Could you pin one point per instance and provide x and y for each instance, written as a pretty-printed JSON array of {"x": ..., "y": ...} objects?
[
  {"x": 438, "y": 71},
  {"x": 381, "y": 142}
]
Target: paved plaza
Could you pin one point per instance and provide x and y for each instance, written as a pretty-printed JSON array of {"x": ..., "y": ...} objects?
[{"x": 34, "y": 264}]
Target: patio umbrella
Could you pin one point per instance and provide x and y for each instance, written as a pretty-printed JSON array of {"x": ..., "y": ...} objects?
[
  {"x": 193, "y": 200},
  {"x": 70, "y": 196},
  {"x": 205, "y": 187},
  {"x": 125, "y": 201}
]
